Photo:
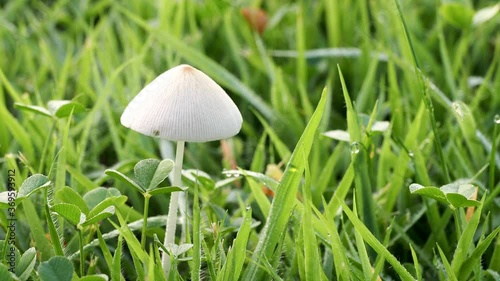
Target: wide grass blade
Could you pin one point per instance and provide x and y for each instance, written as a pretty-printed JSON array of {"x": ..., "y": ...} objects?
[
  {"x": 359, "y": 157},
  {"x": 283, "y": 203},
  {"x": 465, "y": 241}
]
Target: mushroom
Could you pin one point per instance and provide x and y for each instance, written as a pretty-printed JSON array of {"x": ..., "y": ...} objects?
[{"x": 184, "y": 105}]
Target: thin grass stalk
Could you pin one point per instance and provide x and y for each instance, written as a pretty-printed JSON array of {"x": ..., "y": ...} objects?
[
  {"x": 82, "y": 253},
  {"x": 147, "y": 196},
  {"x": 426, "y": 98},
  {"x": 491, "y": 184},
  {"x": 46, "y": 147}
]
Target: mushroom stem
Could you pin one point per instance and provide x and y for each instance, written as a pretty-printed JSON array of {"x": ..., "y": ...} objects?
[{"x": 172, "y": 210}]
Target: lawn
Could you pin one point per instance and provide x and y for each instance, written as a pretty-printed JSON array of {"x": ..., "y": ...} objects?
[{"x": 368, "y": 148}]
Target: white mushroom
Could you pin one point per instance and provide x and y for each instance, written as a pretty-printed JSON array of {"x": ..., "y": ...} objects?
[{"x": 185, "y": 105}]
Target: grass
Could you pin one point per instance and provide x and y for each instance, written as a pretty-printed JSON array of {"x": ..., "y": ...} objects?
[{"x": 301, "y": 204}]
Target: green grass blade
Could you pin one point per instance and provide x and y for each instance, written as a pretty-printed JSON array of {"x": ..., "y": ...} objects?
[
  {"x": 364, "y": 190},
  {"x": 411, "y": 143},
  {"x": 60, "y": 180},
  {"x": 333, "y": 20},
  {"x": 152, "y": 263},
  {"x": 494, "y": 138},
  {"x": 14, "y": 94},
  {"x": 311, "y": 256},
  {"x": 130, "y": 238},
  {"x": 380, "y": 261},
  {"x": 340, "y": 259},
  {"x": 139, "y": 266},
  {"x": 116, "y": 264},
  {"x": 342, "y": 190},
  {"x": 465, "y": 241},
  {"x": 375, "y": 244},
  {"x": 359, "y": 158},
  {"x": 326, "y": 174},
  {"x": 108, "y": 258},
  {"x": 235, "y": 48},
  {"x": 362, "y": 252},
  {"x": 259, "y": 196},
  {"x": 495, "y": 258},
  {"x": 352, "y": 117},
  {"x": 365, "y": 97},
  {"x": 301, "y": 60},
  {"x": 280, "y": 146},
  {"x": 449, "y": 271},
  {"x": 416, "y": 263},
  {"x": 81, "y": 180},
  {"x": 475, "y": 257},
  {"x": 231, "y": 270},
  {"x": 285, "y": 196},
  {"x": 425, "y": 97},
  {"x": 18, "y": 132},
  {"x": 37, "y": 230}
]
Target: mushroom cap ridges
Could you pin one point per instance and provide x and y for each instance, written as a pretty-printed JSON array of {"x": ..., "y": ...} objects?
[{"x": 183, "y": 104}]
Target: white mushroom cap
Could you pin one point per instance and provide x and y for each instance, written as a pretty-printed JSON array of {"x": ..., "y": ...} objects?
[{"x": 183, "y": 104}]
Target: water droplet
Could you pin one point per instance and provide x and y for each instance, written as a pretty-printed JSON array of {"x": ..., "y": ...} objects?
[
  {"x": 247, "y": 207},
  {"x": 232, "y": 174},
  {"x": 458, "y": 110},
  {"x": 497, "y": 119},
  {"x": 411, "y": 154},
  {"x": 354, "y": 147}
]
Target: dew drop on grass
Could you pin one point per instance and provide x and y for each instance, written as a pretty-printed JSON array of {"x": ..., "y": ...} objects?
[
  {"x": 411, "y": 154},
  {"x": 354, "y": 148},
  {"x": 232, "y": 174},
  {"x": 497, "y": 119}
]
